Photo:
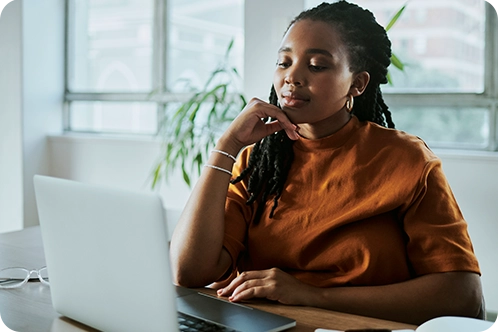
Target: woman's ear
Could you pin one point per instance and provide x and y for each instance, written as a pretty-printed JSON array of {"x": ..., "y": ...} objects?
[{"x": 360, "y": 83}]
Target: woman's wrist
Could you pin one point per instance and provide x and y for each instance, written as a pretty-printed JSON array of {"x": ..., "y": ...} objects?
[
  {"x": 223, "y": 157},
  {"x": 228, "y": 146},
  {"x": 312, "y": 296}
]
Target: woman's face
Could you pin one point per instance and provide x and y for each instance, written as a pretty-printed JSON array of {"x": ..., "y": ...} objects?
[{"x": 313, "y": 78}]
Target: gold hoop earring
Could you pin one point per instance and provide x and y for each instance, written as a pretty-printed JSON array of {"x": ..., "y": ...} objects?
[{"x": 350, "y": 103}]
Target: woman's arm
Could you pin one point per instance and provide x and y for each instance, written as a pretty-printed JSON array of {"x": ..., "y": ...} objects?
[
  {"x": 196, "y": 247},
  {"x": 413, "y": 301},
  {"x": 197, "y": 253}
]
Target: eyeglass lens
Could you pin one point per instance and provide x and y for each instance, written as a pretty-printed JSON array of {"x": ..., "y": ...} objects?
[{"x": 16, "y": 277}]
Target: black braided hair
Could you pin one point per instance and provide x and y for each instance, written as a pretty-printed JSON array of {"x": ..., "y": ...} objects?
[{"x": 369, "y": 49}]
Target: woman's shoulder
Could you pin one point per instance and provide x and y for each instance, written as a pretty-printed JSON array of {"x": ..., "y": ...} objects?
[{"x": 394, "y": 142}]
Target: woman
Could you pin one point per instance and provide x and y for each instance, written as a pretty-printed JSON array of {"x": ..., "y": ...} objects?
[{"x": 327, "y": 207}]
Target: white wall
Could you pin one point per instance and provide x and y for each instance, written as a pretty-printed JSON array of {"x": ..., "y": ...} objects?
[
  {"x": 42, "y": 88},
  {"x": 474, "y": 180},
  {"x": 122, "y": 163},
  {"x": 11, "y": 182},
  {"x": 31, "y": 94}
]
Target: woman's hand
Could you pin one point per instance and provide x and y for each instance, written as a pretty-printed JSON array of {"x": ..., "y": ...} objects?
[
  {"x": 273, "y": 284},
  {"x": 248, "y": 127}
]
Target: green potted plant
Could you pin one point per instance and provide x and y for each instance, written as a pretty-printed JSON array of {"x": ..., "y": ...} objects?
[{"x": 192, "y": 129}]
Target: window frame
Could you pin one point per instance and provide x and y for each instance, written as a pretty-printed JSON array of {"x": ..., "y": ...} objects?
[
  {"x": 159, "y": 65},
  {"x": 487, "y": 99}
]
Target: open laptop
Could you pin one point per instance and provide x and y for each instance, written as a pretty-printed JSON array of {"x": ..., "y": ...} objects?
[{"x": 107, "y": 255}]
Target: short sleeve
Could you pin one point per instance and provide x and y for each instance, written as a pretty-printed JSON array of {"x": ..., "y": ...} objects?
[{"x": 438, "y": 240}]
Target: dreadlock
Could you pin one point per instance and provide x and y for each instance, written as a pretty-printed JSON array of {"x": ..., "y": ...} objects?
[{"x": 369, "y": 50}]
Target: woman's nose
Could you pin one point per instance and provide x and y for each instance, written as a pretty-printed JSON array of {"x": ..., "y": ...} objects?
[{"x": 294, "y": 76}]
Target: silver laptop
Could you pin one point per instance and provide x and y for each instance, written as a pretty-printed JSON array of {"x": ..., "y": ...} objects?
[{"x": 108, "y": 263}]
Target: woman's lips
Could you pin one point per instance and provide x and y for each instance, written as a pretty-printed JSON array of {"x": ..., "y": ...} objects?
[{"x": 293, "y": 100}]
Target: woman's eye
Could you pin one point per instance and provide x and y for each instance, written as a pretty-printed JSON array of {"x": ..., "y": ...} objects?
[
  {"x": 317, "y": 68},
  {"x": 282, "y": 64}
]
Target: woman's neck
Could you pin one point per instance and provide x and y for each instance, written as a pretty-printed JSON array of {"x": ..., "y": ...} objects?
[{"x": 325, "y": 127}]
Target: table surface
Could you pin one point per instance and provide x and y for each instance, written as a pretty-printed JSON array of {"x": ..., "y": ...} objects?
[{"x": 29, "y": 308}]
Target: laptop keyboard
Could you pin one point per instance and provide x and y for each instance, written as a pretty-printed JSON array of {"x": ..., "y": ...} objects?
[{"x": 191, "y": 324}]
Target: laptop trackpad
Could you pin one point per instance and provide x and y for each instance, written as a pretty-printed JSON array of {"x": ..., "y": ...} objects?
[{"x": 233, "y": 315}]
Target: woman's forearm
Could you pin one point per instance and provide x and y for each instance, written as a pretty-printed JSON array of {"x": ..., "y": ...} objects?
[
  {"x": 413, "y": 301},
  {"x": 196, "y": 247}
]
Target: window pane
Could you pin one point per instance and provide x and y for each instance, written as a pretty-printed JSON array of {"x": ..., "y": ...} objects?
[
  {"x": 110, "y": 45},
  {"x": 440, "y": 42},
  {"x": 114, "y": 117},
  {"x": 445, "y": 126},
  {"x": 199, "y": 33}
]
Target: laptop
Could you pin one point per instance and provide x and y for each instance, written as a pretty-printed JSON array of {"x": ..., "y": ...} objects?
[{"x": 107, "y": 255}]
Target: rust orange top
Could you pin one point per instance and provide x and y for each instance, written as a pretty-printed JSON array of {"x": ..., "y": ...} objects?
[{"x": 365, "y": 206}]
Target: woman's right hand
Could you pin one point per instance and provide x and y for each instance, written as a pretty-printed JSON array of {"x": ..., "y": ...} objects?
[{"x": 248, "y": 127}]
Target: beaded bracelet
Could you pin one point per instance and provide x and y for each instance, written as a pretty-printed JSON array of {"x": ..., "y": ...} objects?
[
  {"x": 225, "y": 154},
  {"x": 219, "y": 169}
]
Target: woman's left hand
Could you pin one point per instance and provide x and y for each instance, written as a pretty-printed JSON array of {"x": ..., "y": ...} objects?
[{"x": 273, "y": 284}]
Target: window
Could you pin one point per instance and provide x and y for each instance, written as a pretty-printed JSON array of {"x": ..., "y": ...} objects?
[
  {"x": 446, "y": 93},
  {"x": 119, "y": 51},
  {"x": 126, "y": 57}
]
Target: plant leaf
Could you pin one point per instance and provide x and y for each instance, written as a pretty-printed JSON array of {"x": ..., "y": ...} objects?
[
  {"x": 212, "y": 76},
  {"x": 229, "y": 48},
  {"x": 183, "y": 109},
  {"x": 223, "y": 116},
  {"x": 397, "y": 62},
  {"x": 153, "y": 93},
  {"x": 212, "y": 113},
  {"x": 186, "y": 178},
  {"x": 389, "y": 79},
  {"x": 198, "y": 161},
  {"x": 198, "y": 105},
  {"x": 244, "y": 101},
  {"x": 395, "y": 17},
  {"x": 157, "y": 174},
  {"x": 223, "y": 93}
]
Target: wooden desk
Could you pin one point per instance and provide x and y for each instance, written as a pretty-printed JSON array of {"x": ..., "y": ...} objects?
[{"x": 29, "y": 308}]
